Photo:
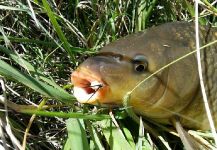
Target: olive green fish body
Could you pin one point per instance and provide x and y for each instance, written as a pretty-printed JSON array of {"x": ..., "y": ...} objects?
[
  {"x": 175, "y": 91},
  {"x": 196, "y": 109}
]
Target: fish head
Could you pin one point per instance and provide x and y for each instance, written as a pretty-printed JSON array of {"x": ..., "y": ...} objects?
[
  {"x": 116, "y": 70},
  {"x": 123, "y": 65}
]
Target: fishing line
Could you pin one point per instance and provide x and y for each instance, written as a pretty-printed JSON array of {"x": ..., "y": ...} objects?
[{"x": 99, "y": 86}]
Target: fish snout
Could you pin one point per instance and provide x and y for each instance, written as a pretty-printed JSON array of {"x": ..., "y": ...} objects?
[{"x": 89, "y": 87}]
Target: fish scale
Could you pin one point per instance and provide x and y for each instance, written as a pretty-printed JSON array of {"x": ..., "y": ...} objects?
[{"x": 209, "y": 61}]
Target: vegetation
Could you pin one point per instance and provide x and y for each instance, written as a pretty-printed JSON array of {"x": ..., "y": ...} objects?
[{"x": 43, "y": 41}]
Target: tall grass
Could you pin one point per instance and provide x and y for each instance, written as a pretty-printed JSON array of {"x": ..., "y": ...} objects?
[{"x": 42, "y": 42}]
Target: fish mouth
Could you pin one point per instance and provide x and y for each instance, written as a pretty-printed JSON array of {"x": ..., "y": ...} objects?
[{"x": 88, "y": 87}]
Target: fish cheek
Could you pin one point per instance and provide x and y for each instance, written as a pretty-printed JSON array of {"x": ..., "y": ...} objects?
[
  {"x": 119, "y": 78},
  {"x": 148, "y": 93}
]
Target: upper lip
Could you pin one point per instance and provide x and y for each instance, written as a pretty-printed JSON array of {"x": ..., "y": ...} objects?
[{"x": 88, "y": 81}]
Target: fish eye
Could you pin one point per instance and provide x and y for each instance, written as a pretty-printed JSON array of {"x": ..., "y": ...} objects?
[
  {"x": 140, "y": 67},
  {"x": 140, "y": 63}
]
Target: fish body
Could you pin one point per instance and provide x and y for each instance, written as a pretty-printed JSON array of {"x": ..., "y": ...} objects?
[{"x": 175, "y": 91}]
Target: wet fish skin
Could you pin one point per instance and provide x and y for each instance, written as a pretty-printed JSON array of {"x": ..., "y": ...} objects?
[{"x": 173, "y": 91}]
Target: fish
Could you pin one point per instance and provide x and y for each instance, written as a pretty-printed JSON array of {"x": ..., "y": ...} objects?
[{"x": 118, "y": 67}]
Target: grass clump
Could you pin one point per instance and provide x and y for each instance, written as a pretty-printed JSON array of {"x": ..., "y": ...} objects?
[{"x": 43, "y": 41}]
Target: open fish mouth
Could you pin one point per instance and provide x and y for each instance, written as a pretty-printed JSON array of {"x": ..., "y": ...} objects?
[{"x": 88, "y": 87}]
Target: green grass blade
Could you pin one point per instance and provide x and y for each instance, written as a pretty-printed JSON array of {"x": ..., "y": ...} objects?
[
  {"x": 12, "y": 8},
  {"x": 129, "y": 137},
  {"x": 144, "y": 12},
  {"x": 190, "y": 9},
  {"x": 23, "y": 63},
  {"x": 46, "y": 90},
  {"x": 62, "y": 37},
  {"x": 77, "y": 138},
  {"x": 114, "y": 136},
  {"x": 142, "y": 141},
  {"x": 42, "y": 43},
  {"x": 97, "y": 139},
  {"x": 96, "y": 143},
  {"x": 33, "y": 41},
  {"x": 26, "y": 65},
  {"x": 64, "y": 115}
]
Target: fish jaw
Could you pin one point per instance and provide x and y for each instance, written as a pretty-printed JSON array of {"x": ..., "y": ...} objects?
[{"x": 88, "y": 87}]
